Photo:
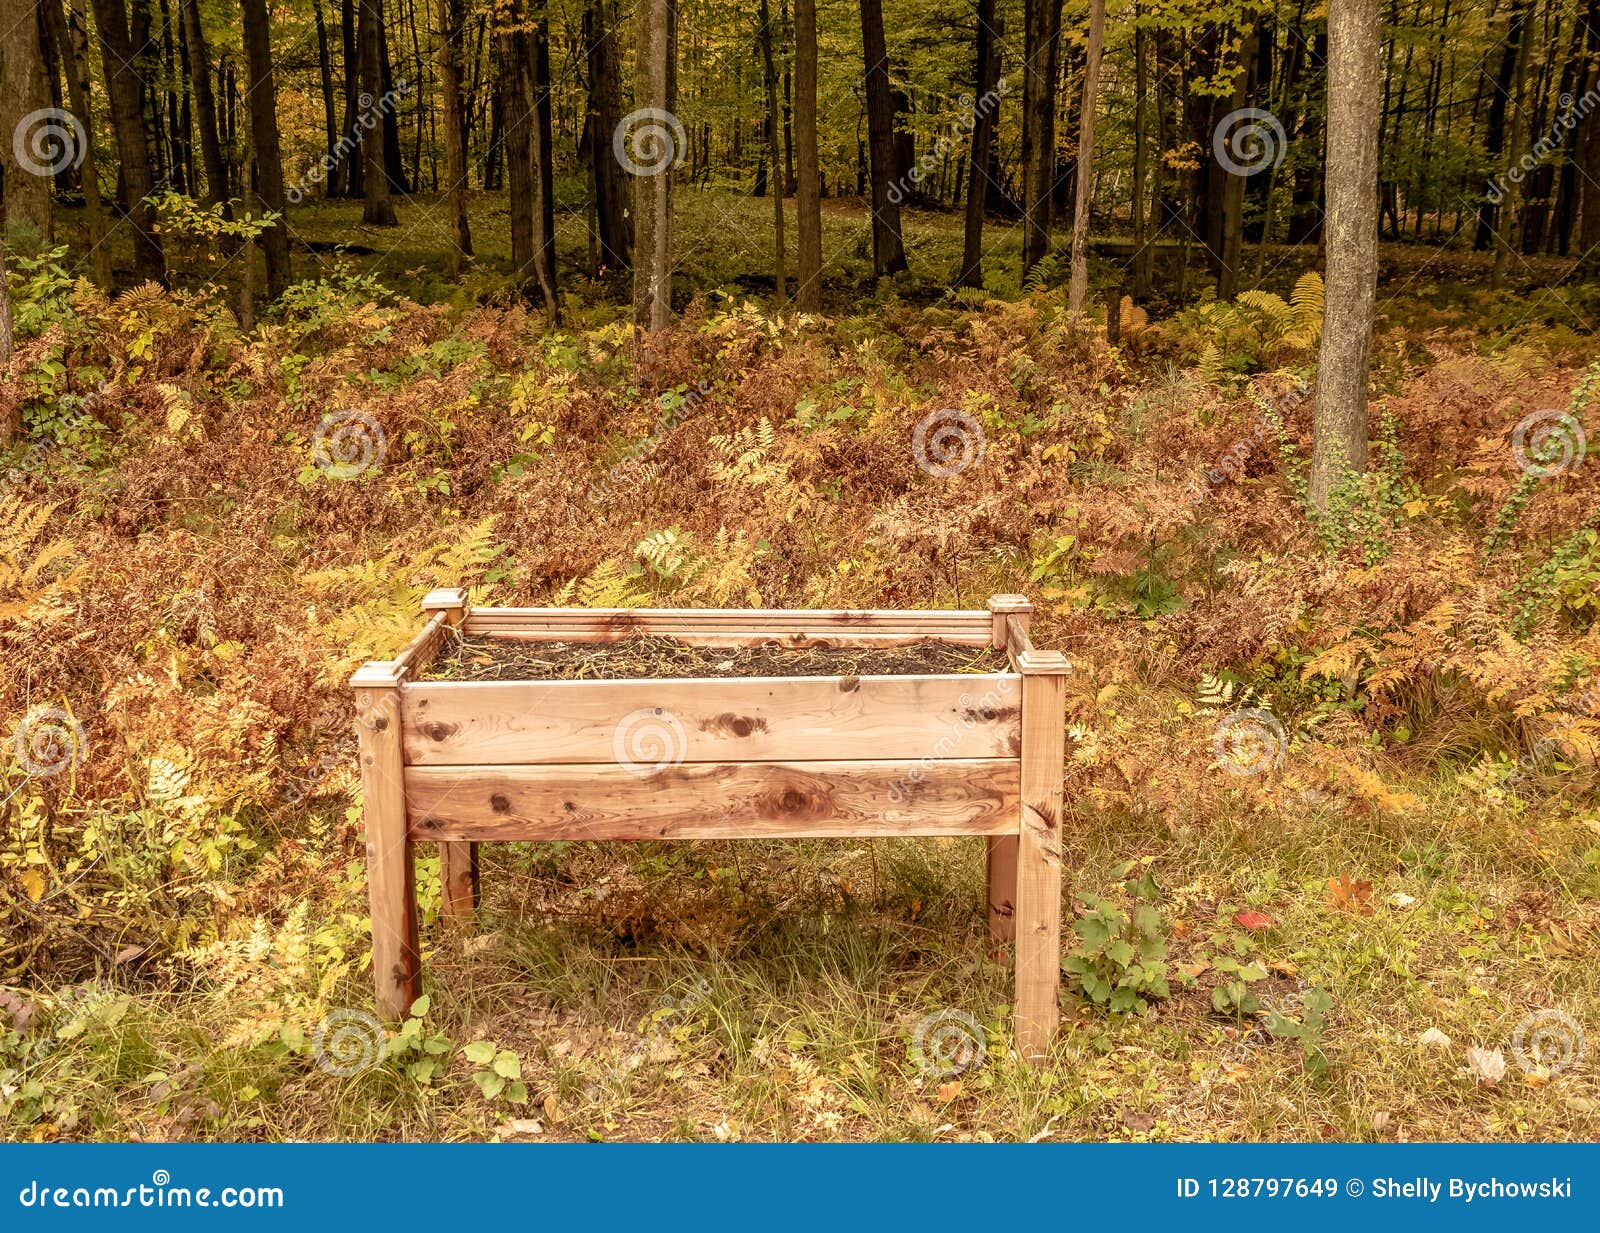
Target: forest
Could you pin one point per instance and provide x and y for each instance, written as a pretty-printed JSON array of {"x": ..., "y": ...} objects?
[{"x": 1252, "y": 343}]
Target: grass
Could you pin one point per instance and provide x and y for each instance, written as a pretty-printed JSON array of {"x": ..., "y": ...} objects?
[{"x": 773, "y": 991}]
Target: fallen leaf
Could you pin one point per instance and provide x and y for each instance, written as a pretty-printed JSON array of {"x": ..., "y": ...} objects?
[
  {"x": 1434, "y": 1037},
  {"x": 1487, "y": 1066},
  {"x": 1350, "y": 895},
  {"x": 1284, "y": 968},
  {"x": 1401, "y": 900},
  {"x": 1252, "y": 919},
  {"x": 949, "y": 1091},
  {"x": 1139, "y": 1123},
  {"x": 1380, "y": 1122},
  {"x": 1196, "y": 969},
  {"x": 520, "y": 1126}
]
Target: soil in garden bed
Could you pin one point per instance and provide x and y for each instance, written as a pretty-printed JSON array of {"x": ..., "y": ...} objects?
[{"x": 479, "y": 657}]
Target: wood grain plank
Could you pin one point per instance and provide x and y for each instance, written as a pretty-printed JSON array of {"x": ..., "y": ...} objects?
[
  {"x": 1038, "y": 899},
  {"x": 724, "y": 720},
  {"x": 744, "y": 800},
  {"x": 390, "y": 872},
  {"x": 738, "y": 637}
]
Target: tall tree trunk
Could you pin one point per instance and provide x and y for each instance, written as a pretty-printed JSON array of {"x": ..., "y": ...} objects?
[
  {"x": 10, "y": 400},
  {"x": 1588, "y": 139},
  {"x": 1511, "y": 216},
  {"x": 263, "y": 96},
  {"x": 769, "y": 74},
  {"x": 1141, "y": 141},
  {"x": 452, "y": 17},
  {"x": 526, "y": 163},
  {"x": 1354, "y": 85},
  {"x": 985, "y": 92},
  {"x": 205, "y": 104},
  {"x": 1495, "y": 137},
  {"x": 348, "y": 175},
  {"x": 126, "y": 91},
  {"x": 377, "y": 205},
  {"x": 393, "y": 160},
  {"x": 808, "y": 200},
  {"x": 888, "y": 250},
  {"x": 43, "y": 143},
  {"x": 1042, "y": 59},
  {"x": 330, "y": 119},
  {"x": 71, "y": 34},
  {"x": 604, "y": 115},
  {"x": 655, "y": 87},
  {"x": 1078, "y": 290}
]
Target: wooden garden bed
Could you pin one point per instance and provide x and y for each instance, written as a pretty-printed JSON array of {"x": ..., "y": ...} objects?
[{"x": 900, "y": 723}]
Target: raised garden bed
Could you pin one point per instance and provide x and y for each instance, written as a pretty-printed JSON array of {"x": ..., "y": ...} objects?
[{"x": 563, "y": 724}]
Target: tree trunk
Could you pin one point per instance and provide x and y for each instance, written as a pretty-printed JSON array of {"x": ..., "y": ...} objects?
[
  {"x": 126, "y": 90},
  {"x": 40, "y": 144},
  {"x": 330, "y": 119},
  {"x": 1354, "y": 87},
  {"x": 347, "y": 176},
  {"x": 452, "y": 17},
  {"x": 604, "y": 115},
  {"x": 985, "y": 92},
  {"x": 10, "y": 400},
  {"x": 377, "y": 205},
  {"x": 1141, "y": 140},
  {"x": 264, "y": 139},
  {"x": 655, "y": 87},
  {"x": 205, "y": 104},
  {"x": 1495, "y": 137},
  {"x": 808, "y": 201},
  {"x": 769, "y": 74},
  {"x": 1078, "y": 291},
  {"x": 888, "y": 250},
  {"x": 527, "y": 159},
  {"x": 1588, "y": 139},
  {"x": 1042, "y": 52},
  {"x": 71, "y": 34}
]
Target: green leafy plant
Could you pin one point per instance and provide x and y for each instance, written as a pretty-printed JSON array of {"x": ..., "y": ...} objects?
[
  {"x": 1119, "y": 957},
  {"x": 420, "y": 1053},
  {"x": 1307, "y": 1029},
  {"x": 499, "y": 1072},
  {"x": 1233, "y": 996}
]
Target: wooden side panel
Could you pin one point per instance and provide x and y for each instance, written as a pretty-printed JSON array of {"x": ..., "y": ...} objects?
[
  {"x": 778, "y": 620},
  {"x": 390, "y": 873},
  {"x": 1038, "y": 901},
  {"x": 744, "y": 800},
  {"x": 728, "y": 720},
  {"x": 732, "y": 636}
]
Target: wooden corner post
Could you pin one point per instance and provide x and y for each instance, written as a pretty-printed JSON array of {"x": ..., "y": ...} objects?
[
  {"x": 1002, "y": 858},
  {"x": 458, "y": 861},
  {"x": 391, "y": 886},
  {"x": 1038, "y": 914}
]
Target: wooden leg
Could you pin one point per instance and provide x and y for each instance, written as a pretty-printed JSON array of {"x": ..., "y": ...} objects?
[
  {"x": 390, "y": 877},
  {"x": 1002, "y": 867},
  {"x": 458, "y": 878},
  {"x": 1038, "y": 914}
]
